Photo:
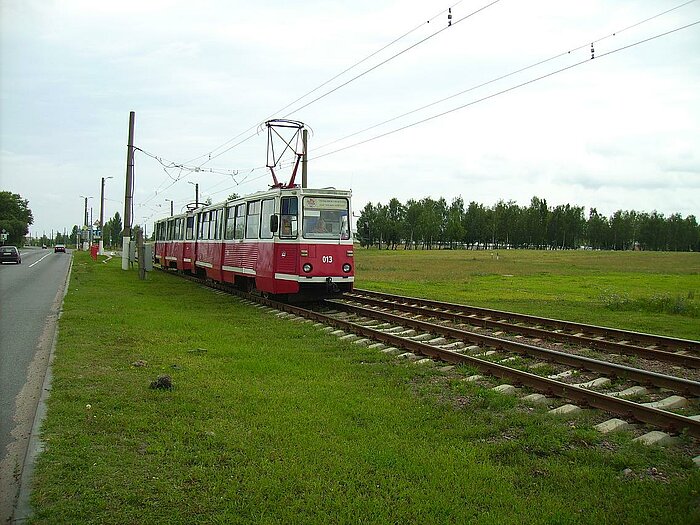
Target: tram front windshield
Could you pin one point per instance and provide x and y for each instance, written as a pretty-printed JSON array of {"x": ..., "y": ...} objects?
[{"x": 326, "y": 218}]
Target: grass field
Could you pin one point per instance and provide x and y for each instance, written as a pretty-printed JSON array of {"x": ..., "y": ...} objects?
[
  {"x": 275, "y": 421},
  {"x": 644, "y": 291}
]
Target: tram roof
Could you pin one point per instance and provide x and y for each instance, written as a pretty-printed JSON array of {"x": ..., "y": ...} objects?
[{"x": 260, "y": 194}]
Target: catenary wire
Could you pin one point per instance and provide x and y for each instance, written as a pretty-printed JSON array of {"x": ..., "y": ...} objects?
[
  {"x": 209, "y": 154},
  {"x": 392, "y": 57},
  {"x": 503, "y": 91},
  {"x": 502, "y": 77},
  {"x": 172, "y": 165},
  {"x": 211, "y": 157}
]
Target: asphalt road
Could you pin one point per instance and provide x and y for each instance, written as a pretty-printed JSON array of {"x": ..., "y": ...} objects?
[{"x": 31, "y": 294}]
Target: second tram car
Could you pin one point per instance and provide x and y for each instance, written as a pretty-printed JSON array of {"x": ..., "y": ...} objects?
[{"x": 293, "y": 242}]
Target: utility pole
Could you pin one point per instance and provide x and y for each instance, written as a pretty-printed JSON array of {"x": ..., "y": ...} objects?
[
  {"x": 128, "y": 195},
  {"x": 305, "y": 158},
  {"x": 196, "y": 193},
  {"x": 102, "y": 215},
  {"x": 85, "y": 225},
  {"x": 141, "y": 253}
]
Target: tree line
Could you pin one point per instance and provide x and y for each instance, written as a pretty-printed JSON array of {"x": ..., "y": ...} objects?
[
  {"x": 111, "y": 235},
  {"x": 15, "y": 217},
  {"x": 429, "y": 224}
]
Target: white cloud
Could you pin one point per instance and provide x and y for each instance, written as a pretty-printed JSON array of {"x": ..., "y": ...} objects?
[{"x": 617, "y": 132}]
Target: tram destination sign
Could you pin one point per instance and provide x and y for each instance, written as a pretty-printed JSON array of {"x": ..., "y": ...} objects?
[{"x": 325, "y": 203}]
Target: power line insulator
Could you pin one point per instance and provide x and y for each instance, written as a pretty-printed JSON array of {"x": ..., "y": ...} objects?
[{"x": 449, "y": 16}]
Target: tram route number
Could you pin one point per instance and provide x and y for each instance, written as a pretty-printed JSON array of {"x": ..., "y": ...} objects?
[{"x": 327, "y": 259}]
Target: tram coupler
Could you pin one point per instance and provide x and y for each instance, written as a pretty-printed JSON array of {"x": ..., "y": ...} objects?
[{"x": 331, "y": 287}]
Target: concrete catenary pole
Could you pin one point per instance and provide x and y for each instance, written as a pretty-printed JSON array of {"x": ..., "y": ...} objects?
[
  {"x": 83, "y": 242},
  {"x": 128, "y": 195},
  {"x": 304, "y": 159},
  {"x": 102, "y": 215}
]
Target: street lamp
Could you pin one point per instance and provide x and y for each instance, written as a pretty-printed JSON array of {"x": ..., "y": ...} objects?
[
  {"x": 102, "y": 214},
  {"x": 85, "y": 222},
  {"x": 171, "y": 206},
  {"x": 196, "y": 193}
]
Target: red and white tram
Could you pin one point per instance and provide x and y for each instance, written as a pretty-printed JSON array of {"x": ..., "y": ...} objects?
[{"x": 286, "y": 241}]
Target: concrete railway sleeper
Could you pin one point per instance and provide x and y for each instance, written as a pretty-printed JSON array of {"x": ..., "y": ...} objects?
[
  {"x": 641, "y": 376},
  {"x": 646, "y": 413},
  {"x": 622, "y": 407},
  {"x": 579, "y": 330},
  {"x": 618, "y": 347}
]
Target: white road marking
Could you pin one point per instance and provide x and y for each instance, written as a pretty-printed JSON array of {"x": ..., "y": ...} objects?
[{"x": 37, "y": 262}]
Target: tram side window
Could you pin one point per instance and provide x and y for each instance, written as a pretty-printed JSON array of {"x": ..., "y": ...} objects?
[
  {"x": 180, "y": 228},
  {"x": 203, "y": 226},
  {"x": 253, "y": 220},
  {"x": 289, "y": 224},
  {"x": 171, "y": 230},
  {"x": 230, "y": 222},
  {"x": 214, "y": 224},
  {"x": 268, "y": 209},
  {"x": 207, "y": 222},
  {"x": 240, "y": 222},
  {"x": 189, "y": 232},
  {"x": 222, "y": 224},
  {"x": 159, "y": 232}
]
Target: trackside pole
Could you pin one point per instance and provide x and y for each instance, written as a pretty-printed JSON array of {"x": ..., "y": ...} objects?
[
  {"x": 125, "y": 252},
  {"x": 305, "y": 158},
  {"x": 128, "y": 195}
]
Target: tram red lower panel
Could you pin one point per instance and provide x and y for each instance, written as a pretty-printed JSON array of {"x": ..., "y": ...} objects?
[{"x": 277, "y": 268}]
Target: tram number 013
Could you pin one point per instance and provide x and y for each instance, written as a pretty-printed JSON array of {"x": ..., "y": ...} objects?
[{"x": 328, "y": 259}]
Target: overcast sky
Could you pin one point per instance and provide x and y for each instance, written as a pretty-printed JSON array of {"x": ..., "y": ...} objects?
[{"x": 621, "y": 131}]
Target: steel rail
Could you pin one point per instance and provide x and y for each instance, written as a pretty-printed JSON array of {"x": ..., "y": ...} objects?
[
  {"x": 603, "y": 331},
  {"x": 640, "y": 376},
  {"x": 687, "y": 360},
  {"x": 621, "y": 407}
]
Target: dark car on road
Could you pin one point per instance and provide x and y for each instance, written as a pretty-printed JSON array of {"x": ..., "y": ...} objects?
[
  {"x": 59, "y": 248},
  {"x": 10, "y": 254}
]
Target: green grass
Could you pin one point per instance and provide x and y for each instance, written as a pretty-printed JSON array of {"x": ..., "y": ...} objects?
[
  {"x": 274, "y": 421},
  {"x": 644, "y": 291}
]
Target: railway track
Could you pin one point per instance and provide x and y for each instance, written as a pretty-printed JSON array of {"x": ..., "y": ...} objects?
[
  {"x": 683, "y": 352},
  {"x": 395, "y": 328}
]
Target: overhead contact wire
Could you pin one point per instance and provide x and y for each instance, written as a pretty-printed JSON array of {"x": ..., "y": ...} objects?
[
  {"x": 502, "y": 77},
  {"x": 392, "y": 57},
  {"x": 571, "y": 66}
]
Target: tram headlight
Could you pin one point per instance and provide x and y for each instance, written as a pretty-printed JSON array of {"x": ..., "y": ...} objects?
[
  {"x": 307, "y": 268},
  {"x": 347, "y": 268}
]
